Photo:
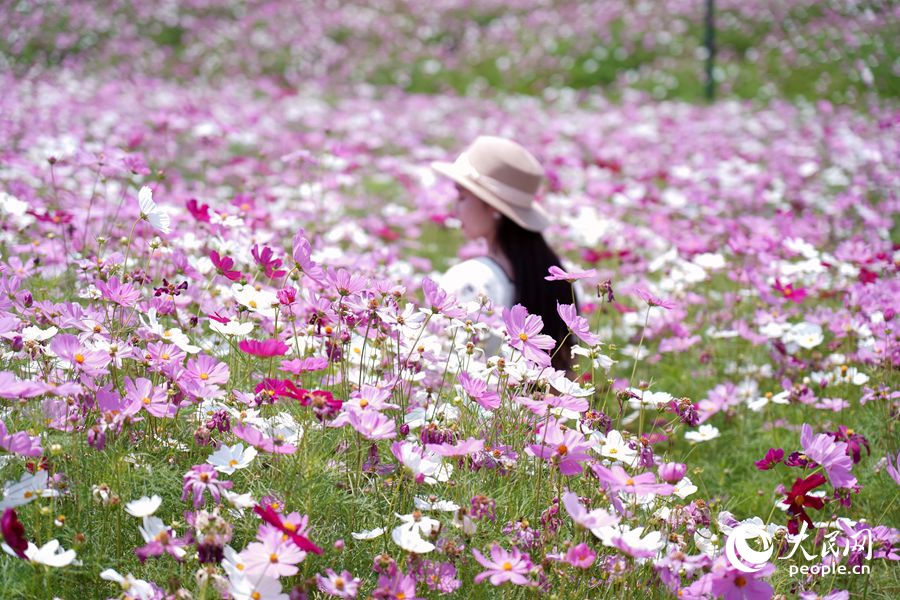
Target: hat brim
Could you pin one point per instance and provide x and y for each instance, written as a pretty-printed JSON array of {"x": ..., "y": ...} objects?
[{"x": 533, "y": 218}]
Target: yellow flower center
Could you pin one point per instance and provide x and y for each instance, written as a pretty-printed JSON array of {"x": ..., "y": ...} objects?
[
  {"x": 629, "y": 481},
  {"x": 232, "y": 462},
  {"x": 290, "y": 526},
  {"x": 523, "y": 337},
  {"x": 339, "y": 584},
  {"x": 204, "y": 376},
  {"x": 256, "y": 595},
  {"x": 562, "y": 449},
  {"x": 146, "y": 400},
  {"x": 252, "y": 303},
  {"x": 79, "y": 358},
  {"x": 507, "y": 566},
  {"x": 273, "y": 558},
  {"x": 363, "y": 403},
  {"x": 164, "y": 356}
]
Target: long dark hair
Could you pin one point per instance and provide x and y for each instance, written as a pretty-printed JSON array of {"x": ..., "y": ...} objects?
[{"x": 531, "y": 257}]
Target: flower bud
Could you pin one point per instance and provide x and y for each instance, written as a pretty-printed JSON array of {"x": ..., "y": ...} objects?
[{"x": 672, "y": 472}]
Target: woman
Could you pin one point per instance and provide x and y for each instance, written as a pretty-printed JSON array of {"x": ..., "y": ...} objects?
[{"x": 497, "y": 181}]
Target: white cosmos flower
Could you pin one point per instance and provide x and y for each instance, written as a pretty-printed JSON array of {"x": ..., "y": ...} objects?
[
  {"x": 684, "y": 488},
  {"x": 368, "y": 534},
  {"x": 616, "y": 448},
  {"x": 442, "y": 505},
  {"x": 36, "y": 334},
  {"x": 28, "y": 488},
  {"x": 131, "y": 587},
  {"x": 153, "y": 529},
  {"x": 49, "y": 554},
  {"x": 231, "y": 328},
  {"x": 150, "y": 212},
  {"x": 261, "y": 302},
  {"x": 704, "y": 433},
  {"x": 409, "y": 534},
  {"x": 143, "y": 507},
  {"x": 806, "y": 335},
  {"x": 228, "y": 459},
  {"x": 239, "y": 501}
]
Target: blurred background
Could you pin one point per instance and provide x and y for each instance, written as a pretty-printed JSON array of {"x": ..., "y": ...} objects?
[{"x": 843, "y": 51}]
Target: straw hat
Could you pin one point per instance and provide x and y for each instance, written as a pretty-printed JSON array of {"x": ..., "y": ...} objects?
[{"x": 504, "y": 175}]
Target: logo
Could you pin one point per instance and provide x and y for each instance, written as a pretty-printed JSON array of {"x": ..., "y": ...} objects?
[{"x": 741, "y": 556}]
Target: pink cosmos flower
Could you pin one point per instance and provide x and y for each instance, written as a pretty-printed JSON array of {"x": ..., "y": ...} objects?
[
  {"x": 255, "y": 438},
  {"x": 207, "y": 370},
  {"x": 344, "y": 585},
  {"x": 566, "y": 448},
  {"x": 652, "y": 300},
  {"x": 264, "y": 348},
  {"x": 463, "y": 448},
  {"x": 893, "y": 469},
  {"x": 557, "y": 274},
  {"x": 140, "y": 394},
  {"x": 477, "y": 390},
  {"x": 302, "y": 253},
  {"x": 578, "y": 325},
  {"x": 525, "y": 334},
  {"x": 395, "y": 585},
  {"x": 123, "y": 294},
  {"x": 304, "y": 365},
  {"x": 672, "y": 472},
  {"x": 440, "y": 301},
  {"x": 617, "y": 479},
  {"x": 273, "y": 556},
  {"x": 729, "y": 583},
  {"x": 20, "y": 442},
  {"x": 581, "y": 556},
  {"x": 347, "y": 283},
  {"x": 830, "y": 454},
  {"x": 580, "y": 515},
  {"x": 503, "y": 566},
  {"x": 224, "y": 265},
  {"x": 90, "y": 362},
  {"x": 372, "y": 425},
  {"x": 199, "y": 480},
  {"x": 293, "y": 526},
  {"x": 160, "y": 539}
]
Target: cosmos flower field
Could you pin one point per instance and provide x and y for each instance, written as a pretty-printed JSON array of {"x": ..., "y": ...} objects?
[{"x": 228, "y": 369}]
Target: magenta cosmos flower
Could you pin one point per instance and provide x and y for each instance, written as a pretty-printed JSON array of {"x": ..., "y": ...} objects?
[
  {"x": 503, "y": 566},
  {"x": 225, "y": 266},
  {"x": 264, "y": 348},
  {"x": 564, "y": 447},
  {"x": 525, "y": 334}
]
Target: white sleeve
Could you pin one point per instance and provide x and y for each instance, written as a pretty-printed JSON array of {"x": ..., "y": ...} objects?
[{"x": 473, "y": 278}]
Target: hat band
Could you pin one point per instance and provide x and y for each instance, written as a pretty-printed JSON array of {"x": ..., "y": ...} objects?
[{"x": 505, "y": 192}]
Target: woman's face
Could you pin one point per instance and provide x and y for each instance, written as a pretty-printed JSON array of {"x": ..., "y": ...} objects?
[{"x": 477, "y": 219}]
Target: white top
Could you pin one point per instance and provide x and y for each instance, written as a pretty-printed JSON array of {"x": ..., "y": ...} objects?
[{"x": 476, "y": 276}]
